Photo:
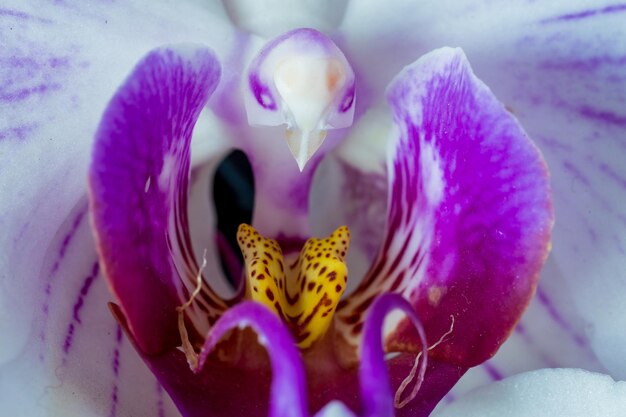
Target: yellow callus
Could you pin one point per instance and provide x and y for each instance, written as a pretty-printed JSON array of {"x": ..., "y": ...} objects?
[{"x": 303, "y": 293}]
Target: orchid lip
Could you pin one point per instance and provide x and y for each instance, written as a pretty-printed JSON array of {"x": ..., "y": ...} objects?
[
  {"x": 301, "y": 79},
  {"x": 305, "y": 291}
]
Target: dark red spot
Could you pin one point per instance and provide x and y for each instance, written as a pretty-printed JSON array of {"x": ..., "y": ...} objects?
[
  {"x": 338, "y": 288},
  {"x": 354, "y": 318},
  {"x": 261, "y": 277},
  {"x": 302, "y": 337},
  {"x": 253, "y": 273},
  {"x": 270, "y": 294},
  {"x": 332, "y": 275},
  {"x": 310, "y": 286},
  {"x": 322, "y": 270}
]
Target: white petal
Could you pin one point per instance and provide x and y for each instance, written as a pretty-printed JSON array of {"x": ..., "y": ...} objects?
[
  {"x": 544, "y": 393},
  {"x": 74, "y": 361}
]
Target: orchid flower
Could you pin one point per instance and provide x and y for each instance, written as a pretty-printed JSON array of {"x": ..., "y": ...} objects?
[{"x": 445, "y": 197}]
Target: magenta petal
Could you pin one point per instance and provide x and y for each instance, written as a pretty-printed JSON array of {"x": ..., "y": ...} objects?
[
  {"x": 221, "y": 390},
  {"x": 470, "y": 206},
  {"x": 469, "y": 213},
  {"x": 139, "y": 171}
]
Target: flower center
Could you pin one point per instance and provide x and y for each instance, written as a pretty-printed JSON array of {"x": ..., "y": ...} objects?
[{"x": 303, "y": 292}]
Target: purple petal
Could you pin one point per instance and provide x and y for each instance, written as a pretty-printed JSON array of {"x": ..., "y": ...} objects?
[
  {"x": 138, "y": 182},
  {"x": 220, "y": 389},
  {"x": 469, "y": 214}
]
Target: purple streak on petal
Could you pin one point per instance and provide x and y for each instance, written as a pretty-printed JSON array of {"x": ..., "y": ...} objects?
[
  {"x": 583, "y": 14},
  {"x": 17, "y": 14},
  {"x": 492, "y": 371},
  {"x": 24, "y": 93},
  {"x": 470, "y": 196},
  {"x": 78, "y": 305},
  {"x": 520, "y": 330},
  {"x": 603, "y": 116},
  {"x": 116, "y": 371},
  {"x": 287, "y": 398},
  {"x": 160, "y": 404},
  {"x": 612, "y": 174},
  {"x": 67, "y": 239},
  {"x": 145, "y": 136},
  {"x": 20, "y": 132},
  {"x": 589, "y": 64},
  {"x": 543, "y": 298},
  {"x": 375, "y": 388}
]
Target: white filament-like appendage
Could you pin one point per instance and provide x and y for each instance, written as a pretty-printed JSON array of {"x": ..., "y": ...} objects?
[{"x": 307, "y": 86}]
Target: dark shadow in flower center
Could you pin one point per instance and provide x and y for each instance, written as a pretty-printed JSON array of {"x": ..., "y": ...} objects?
[{"x": 233, "y": 197}]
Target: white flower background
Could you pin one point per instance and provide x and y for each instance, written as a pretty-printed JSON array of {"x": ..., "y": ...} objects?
[{"x": 560, "y": 67}]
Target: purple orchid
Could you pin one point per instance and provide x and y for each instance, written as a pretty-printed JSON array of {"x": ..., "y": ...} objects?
[{"x": 450, "y": 231}]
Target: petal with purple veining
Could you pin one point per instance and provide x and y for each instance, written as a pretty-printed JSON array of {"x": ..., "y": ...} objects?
[
  {"x": 138, "y": 187},
  {"x": 469, "y": 214}
]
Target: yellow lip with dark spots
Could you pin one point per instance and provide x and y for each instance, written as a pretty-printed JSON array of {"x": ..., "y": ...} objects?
[{"x": 306, "y": 292}]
